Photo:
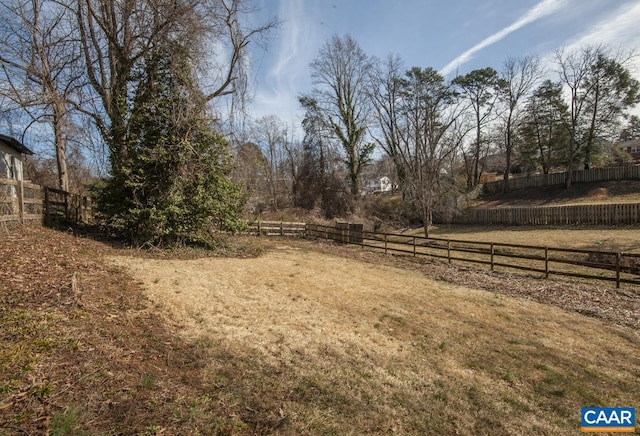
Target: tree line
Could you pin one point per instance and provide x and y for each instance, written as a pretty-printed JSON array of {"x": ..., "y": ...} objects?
[
  {"x": 147, "y": 81},
  {"x": 440, "y": 133}
]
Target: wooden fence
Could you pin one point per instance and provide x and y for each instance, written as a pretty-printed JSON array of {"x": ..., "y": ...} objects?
[
  {"x": 609, "y": 266},
  {"x": 608, "y": 214},
  {"x": 277, "y": 228},
  {"x": 626, "y": 172},
  {"x": 27, "y": 203}
]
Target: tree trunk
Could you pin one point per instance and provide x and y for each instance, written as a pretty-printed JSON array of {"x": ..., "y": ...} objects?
[
  {"x": 60, "y": 140},
  {"x": 426, "y": 219},
  {"x": 507, "y": 169},
  {"x": 572, "y": 148},
  {"x": 505, "y": 183}
]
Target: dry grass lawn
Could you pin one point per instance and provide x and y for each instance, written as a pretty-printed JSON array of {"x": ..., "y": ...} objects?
[{"x": 301, "y": 342}]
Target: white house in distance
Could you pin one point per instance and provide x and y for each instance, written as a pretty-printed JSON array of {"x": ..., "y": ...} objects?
[
  {"x": 12, "y": 154},
  {"x": 379, "y": 185}
]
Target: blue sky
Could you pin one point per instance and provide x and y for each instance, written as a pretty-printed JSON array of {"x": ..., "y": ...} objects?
[{"x": 449, "y": 35}]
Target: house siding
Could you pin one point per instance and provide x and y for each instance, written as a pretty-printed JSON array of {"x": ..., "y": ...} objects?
[{"x": 10, "y": 163}]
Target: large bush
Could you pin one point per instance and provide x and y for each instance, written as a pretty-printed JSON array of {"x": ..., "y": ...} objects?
[{"x": 170, "y": 184}]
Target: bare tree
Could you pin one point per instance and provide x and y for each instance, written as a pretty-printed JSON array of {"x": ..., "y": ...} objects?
[
  {"x": 293, "y": 161},
  {"x": 250, "y": 172},
  {"x": 385, "y": 93},
  {"x": 271, "y": 135},
  {"x": 600, "y": 88},
  {"x": 480, "y": 87},
  {"x": 40, "y": 68},
  {"x": 418, "y": 115},
  {"x": 340, "y": 75},
  {"x": 613, "y": 91},
  {"x": 518, "y": 77},
  {"x": 117, "y": 36}
]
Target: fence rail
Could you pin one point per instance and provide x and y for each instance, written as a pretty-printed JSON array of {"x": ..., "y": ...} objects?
[
  {"x": 24, "y": 202},
  {"x": 609, "y": 174},
  {"x": 609, "y": 214},
  {"x": 608, "y": 266},
  {"x": 277, "y": 228}
]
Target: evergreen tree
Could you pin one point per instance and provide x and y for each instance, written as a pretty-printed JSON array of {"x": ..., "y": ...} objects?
[
  {"x": 544, "y": 138},
  {"x": 172, "y": 185}
]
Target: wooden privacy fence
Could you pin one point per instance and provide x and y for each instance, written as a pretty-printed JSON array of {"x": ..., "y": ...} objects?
[
  {"x": 24, "y": 203},
  {"x": 619, "y": 213},
  {"x": 626, "y": 172},
  {"x": 277, "y": 228},
  {"x": 608, "y": 266}
]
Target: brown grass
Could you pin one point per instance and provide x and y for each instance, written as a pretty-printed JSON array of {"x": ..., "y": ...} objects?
[
  {"x": 624, "y": 191},
  {"x": 296, "y": 341},
  {"x": 304, "y": 342}
]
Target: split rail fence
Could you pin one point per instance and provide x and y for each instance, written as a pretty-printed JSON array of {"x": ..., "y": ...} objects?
[
  {"x": 277, "y": 228},
  {"x": 27, "y": 203},
  {"x": 611, "y": 266}
]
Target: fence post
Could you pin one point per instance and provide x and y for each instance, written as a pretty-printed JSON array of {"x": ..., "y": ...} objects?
[
  {"x": 259, "y": 228},
  {"x": 385, "y": 243},
  {"x": 618, "y": 262},
  {"x": 546, "y": 262},
  {"x": 281, "y": 229},
  {"x": 492, "y": 251},
  {"x": 47, "y": 212},
  {"x": 21, "y": 201},
  {"x": 449, "y": 250},
  {"x": 414, "y": 246},
  {"x": 67, "y": 212}
]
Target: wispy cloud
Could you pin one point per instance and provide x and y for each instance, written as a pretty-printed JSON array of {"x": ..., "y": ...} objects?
[
  {"x": 542, "y": 9},
  {"x": 618, "y": 30},
  {"x": 282, "y": 83}
]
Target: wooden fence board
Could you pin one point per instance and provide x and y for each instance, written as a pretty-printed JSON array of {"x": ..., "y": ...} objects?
[
  {"x": 276, "y": 228},
  {"x": 22, "y": 202},
  {"x": 601, "y": 214},
  {"x": 515, "y": 183},
  {"x": 579, "y": 263}
]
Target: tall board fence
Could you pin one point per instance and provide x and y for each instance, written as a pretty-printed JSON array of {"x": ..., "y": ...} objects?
[
  {"x": 609, "y": 174},
  {"x": 27, "y": 203},
  {"x": 606, "y": 214},
  {"x": 611, "y": 266}
]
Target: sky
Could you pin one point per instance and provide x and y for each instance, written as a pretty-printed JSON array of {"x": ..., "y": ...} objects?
[{"x": 452, "y": 36}]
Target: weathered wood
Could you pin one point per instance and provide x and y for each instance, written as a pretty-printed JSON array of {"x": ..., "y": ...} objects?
[
  {"x": 539, "y": 258},
  {"x": 515, "y": 183},
  {"x": 37, "y": 203},
  {"x": 605, "y": 214},
  {"x": 277, "y": 228}
]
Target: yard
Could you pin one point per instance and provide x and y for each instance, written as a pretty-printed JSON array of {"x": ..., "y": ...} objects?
[{"x": 305, "y": 338}]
